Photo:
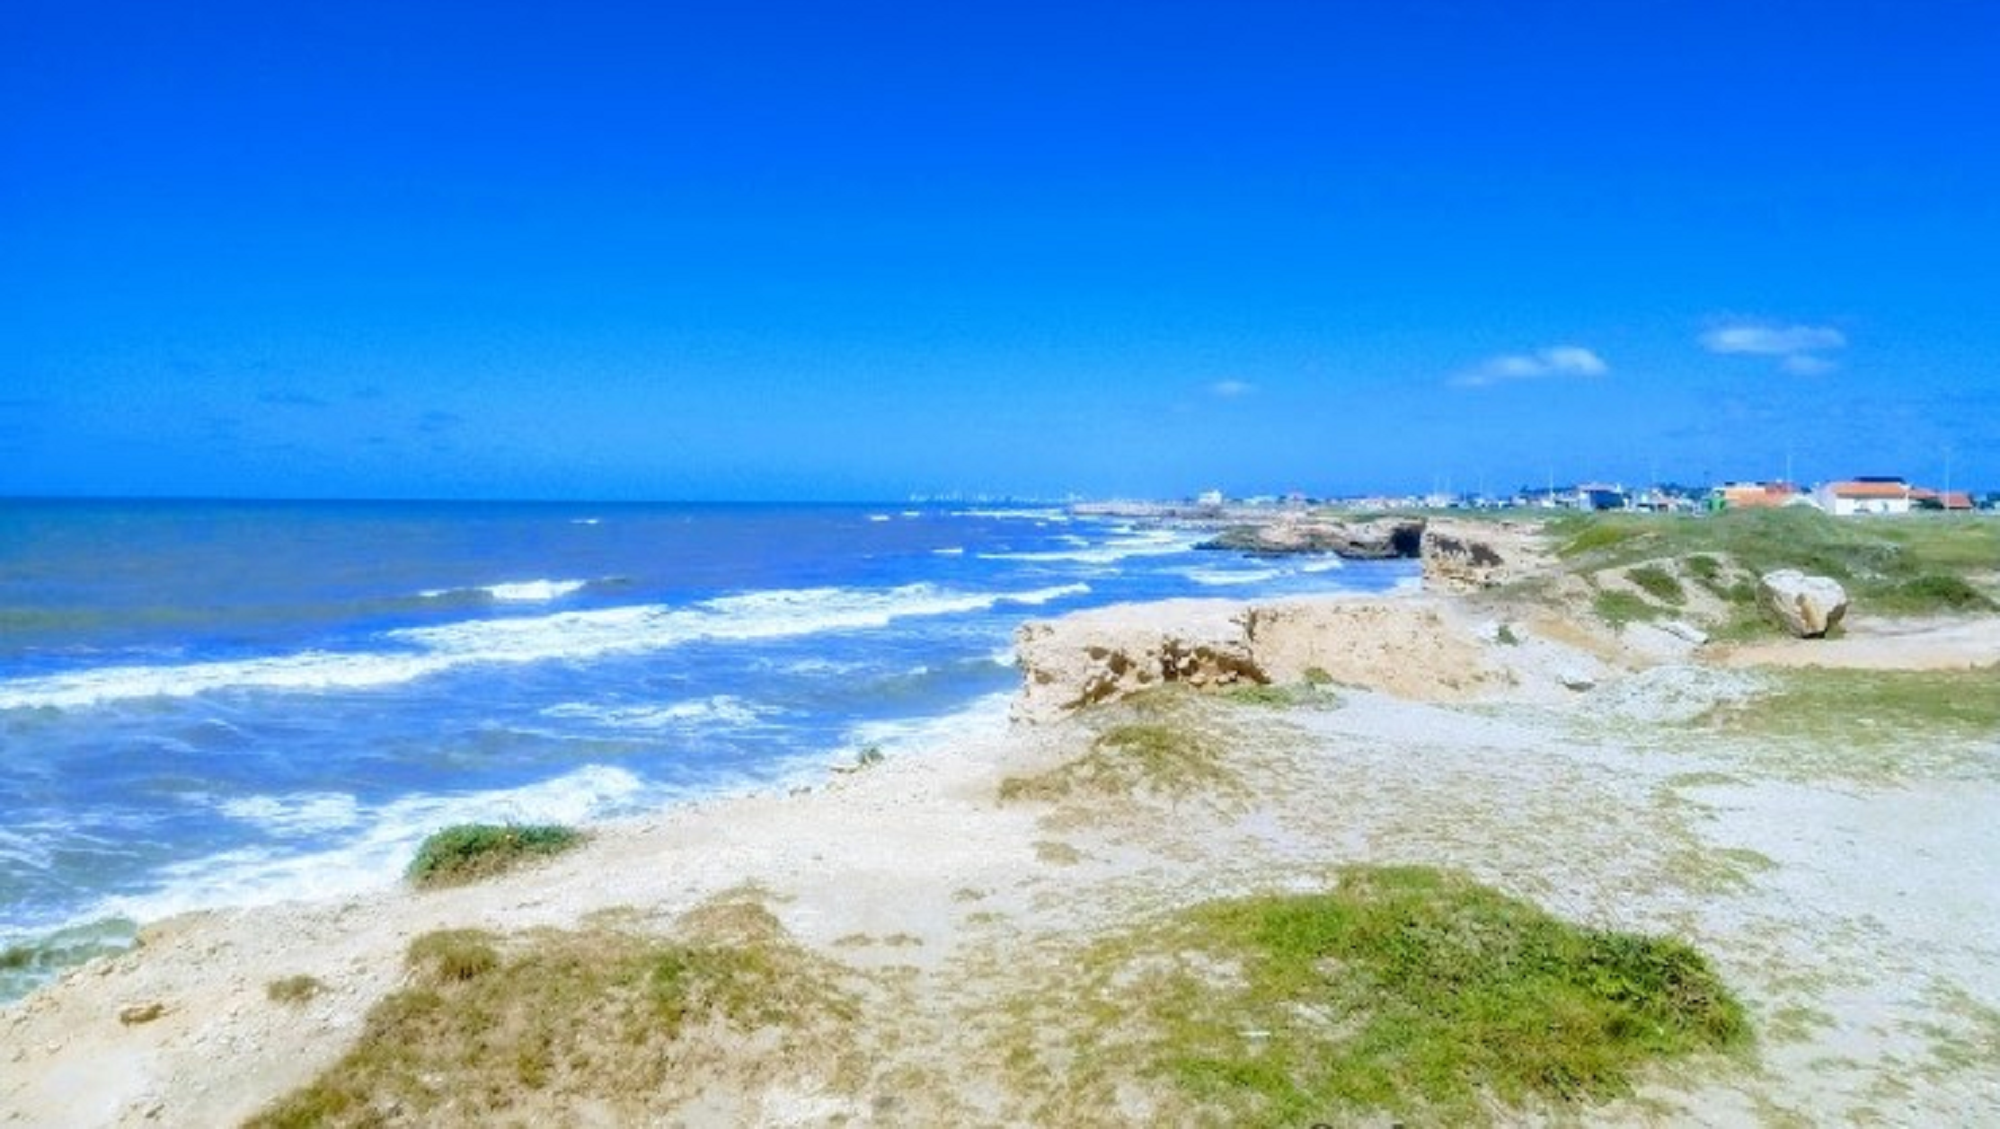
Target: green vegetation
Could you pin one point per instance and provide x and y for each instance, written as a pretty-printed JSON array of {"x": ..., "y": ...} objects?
[
  {"x": 1506, "y": 637},
  {"x": 1404, "y": 989},
  {"x": 1704, "y": 568},
  {"x": 1657, "y": 583},
  {"x": 455, "y": 954},
  {"x": 1619, "y": 608},
  {"x": 1270, "y": 694},
  {"x": 1910, "y": 565},
  {"x": 1162, "y": 757},
  {"x": 598, "y": 1019},
  {"x": 1937, "y": 592},
  {"x": 1848, "y": 708},
  {"x": 471, "y": 851},
  {"x": 294, "y": 989}
]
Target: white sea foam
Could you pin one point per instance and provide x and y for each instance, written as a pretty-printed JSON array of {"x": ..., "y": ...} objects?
[
  {"x": 1016, "y": 515},
  {"x": 952, "y": 551},
  {"x": 572, "y": 635},
  {"x": 878, "y": 518},
  {"x": 1161, "y": 543},
  {"x": 921, "y": 733},
  {"x": 721, "y": 709},
  {"x": 387, "y": 837},
  {"x": 1215, "y": 577},
  {"x": 1326, "y": 564},
  {"x": 305, "y": 813},
  {"x": 517, "y": 592},
  {"x": 534, "y": 591}
]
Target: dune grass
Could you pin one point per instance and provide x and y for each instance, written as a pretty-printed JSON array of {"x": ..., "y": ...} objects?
[
  {"x": 468, "y": 852},
  {"x": 1403, "y": 990},
  {"x": 493, "y": 1029},
  {"x": 1164, "y": 757},
  {"x": 1870, "y": 707},
  {"x": 1658, "y": 583},
  {"x": 294, "y": 989},
  {"x": 1618, "y": 608},
  {"x": 1908, "y": 565}
]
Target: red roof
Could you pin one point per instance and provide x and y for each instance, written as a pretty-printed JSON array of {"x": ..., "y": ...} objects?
[{"x": 1869, "y": 490}]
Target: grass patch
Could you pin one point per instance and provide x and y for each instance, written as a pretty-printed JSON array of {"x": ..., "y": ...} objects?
[
  {"x": 468, "y": 852},
  {"x": 455, "y": 954},
  {"x": 1902, "y": 566},
  {"x": 1405, "y": 989},
  {"x": 1658, "y": 583},
  {"x": 1506, "y": 637},
  {"x": 1159, "y": 757},
  {"x": 622, "y": 1023},
  {"x": 1273, "y": 695},
  {"x": 1619, "y": 608},
  {"x": 294, "y": 989},
  {"x": 1706, "y": 569},
  {"x": 1869, "y": 707},
  {"x": 1935, "y": 592}
]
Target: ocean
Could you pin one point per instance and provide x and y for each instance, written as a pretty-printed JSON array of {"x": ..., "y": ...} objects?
[{"x": 235, "y": 703}]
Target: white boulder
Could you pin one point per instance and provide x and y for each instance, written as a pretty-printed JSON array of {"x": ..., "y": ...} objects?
[{"x": 1806, "y": 606}]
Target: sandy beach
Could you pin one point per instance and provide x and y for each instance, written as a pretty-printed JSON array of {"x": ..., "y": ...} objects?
[{"x": 1846, "y": 895}]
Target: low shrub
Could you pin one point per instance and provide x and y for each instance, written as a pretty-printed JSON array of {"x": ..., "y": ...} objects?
[
  {"x": 471, "y": 851},
  {"x": 1658, "y": 583},
  {"x": 294, "y": 989}
]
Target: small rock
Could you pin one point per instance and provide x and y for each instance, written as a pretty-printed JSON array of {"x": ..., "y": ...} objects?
[
  {"x": 1576, "y": 680},
  {"x": 1682, "y": 629},
  {"x": 133, "y": 1014}
]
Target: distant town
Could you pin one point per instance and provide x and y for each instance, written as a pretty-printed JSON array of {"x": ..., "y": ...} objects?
[{"x": 1843, "y": 498}]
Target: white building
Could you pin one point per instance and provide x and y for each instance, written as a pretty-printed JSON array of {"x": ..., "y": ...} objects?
[{"x": 1864, "y": 496}]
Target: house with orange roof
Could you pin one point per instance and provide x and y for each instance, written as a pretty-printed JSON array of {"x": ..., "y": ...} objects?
[
  {"x": 1758, "y": 495},
  {"x": 1865, "y": 496},
  {"x": 1950, "y": 500}
]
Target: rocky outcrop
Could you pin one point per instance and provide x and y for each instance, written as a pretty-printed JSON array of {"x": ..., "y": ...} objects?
[
  {"x": 1373, "y": 540},
  {"x": 1404, "y": 646},
  {"x": 1806, "y": 606},
  {"x": 1464, "y": 556},
  {"x": 1108, "y": 653}
]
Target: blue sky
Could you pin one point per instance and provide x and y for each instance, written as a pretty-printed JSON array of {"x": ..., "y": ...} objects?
[{"x": 865, "y": 251}]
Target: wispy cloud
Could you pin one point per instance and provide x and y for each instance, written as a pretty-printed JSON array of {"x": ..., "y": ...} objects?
[
  {"x": 1231, "y": 389},
  {"x": 1805, "y": 364},
  {"x": 1797, "y": 347},
  {"x": 1557, "y": 360}
]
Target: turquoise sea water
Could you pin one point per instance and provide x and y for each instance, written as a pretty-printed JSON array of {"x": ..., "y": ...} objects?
[{"x": 231, "y": 703}]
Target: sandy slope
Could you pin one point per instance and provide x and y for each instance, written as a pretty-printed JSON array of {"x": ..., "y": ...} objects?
[{"x": 1855, "y": 917}]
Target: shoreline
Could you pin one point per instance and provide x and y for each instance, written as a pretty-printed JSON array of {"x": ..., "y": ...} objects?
[{"x": 914, "y": 872}]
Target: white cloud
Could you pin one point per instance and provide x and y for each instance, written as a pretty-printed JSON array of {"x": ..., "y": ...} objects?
[
  {"x": 1797, "y": 347},
  {"x": 1230, "y": 389},
  {"x": 1805, "y": 364},
  {"x": 1558, "y": 360},
  {"x": 1773, "y": 341}
]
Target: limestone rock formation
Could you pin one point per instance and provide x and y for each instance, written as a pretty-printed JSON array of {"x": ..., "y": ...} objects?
[
  {"x": 1107, "y": 653},
  {"x": 1404, "y": 646},
  {"x": 1806, "y": 606},
  {"x": 1377, "y": 539},
  {"x": 1463, "y": 556}
]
